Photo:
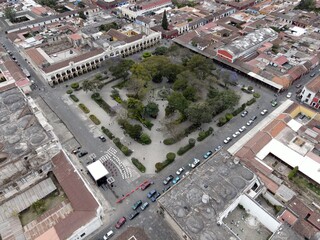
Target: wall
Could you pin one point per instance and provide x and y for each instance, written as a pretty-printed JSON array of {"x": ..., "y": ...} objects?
[
  {"x": 305, "y": 93},
  {"x": 271, "y": 199},
  {"x": 86, "y": 230},
  {"x": 264, "y": 217}
]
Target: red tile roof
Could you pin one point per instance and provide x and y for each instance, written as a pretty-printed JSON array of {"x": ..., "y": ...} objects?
[
  {"x": 314, "y": 85},
  {"x": 35, "y": 56},
  {"x": 275, "y": 127},
  {"x": 82, "y": 201},
  {"x": 288, "y": 217},
  {"x": 280, "y": 60},
  {"x": 271, "y": 185},
  {"x": 299, "y": 207},
  {"x": 154, "y": 4}
]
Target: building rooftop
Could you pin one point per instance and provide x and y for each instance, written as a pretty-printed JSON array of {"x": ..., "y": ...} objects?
[
  {"x": 221, "y": 181},
  {"x": 314, "y": 84}
]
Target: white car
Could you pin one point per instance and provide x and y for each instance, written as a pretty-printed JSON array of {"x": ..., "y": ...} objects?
[
  {"x": 180, "y": 170},
  {"x": 228, "y": 139},
  {"x": 264, "y": 112},
  {"x": 249, "y": 123},
  {"x": 289, "y": 94},
  {"x": 195, "y": 163},
  {"x": 243, "y": 128},
  {"x": 236, "y": 134}
]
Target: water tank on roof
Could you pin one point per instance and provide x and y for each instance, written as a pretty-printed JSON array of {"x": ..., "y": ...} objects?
[{"x": 205, "y": 198}]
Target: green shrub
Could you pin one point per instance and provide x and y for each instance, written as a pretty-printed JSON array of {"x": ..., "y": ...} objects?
[
  {"x": 39, "y": 206},
  {"x": 105, "y": 106},
  {"x": 74, "y": 85},
  {"x": 250, "y": 88},
  {"x": 251, "y": 101},
  {"x": 293, "y": 173},
  {"x": 277, "y": 208},
  {"x": 229, "y": 116},
  {"x": 161, "y": 165},
  {"x": 84, "y": 108},
  {"x": 69, "y": 91},
  {"x": 145, "y": 139},
  {"x": 171, "y": 156},
  {"x": 169, "y": 141},
  {"x": 256, "y": 95},
  {"x": 222, "y": 121},
  {"x": 117, "y": 142},
  {"x": 147, "y": 123},
  {"x": 107, "y": 132},
  {"x": 138, "y": 165},
  {"x": 116, "y": 96},
  {"x": 239, "y": 110},
  {"x": 192, "y": 142},
  {"x": 94, "y": 119},
  {"x": 184, "y": 149},
  {"x": 146, "y": 55},
  {"x": 126, "y": 151},
  {"x": 74, "y": 98},
  {"x": 204, "y": 134}
]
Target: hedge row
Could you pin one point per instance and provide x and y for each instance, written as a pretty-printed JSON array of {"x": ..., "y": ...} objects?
[
  {"x": 74, "y": 85},
  {"x": 161, "y": 165},
  {"x": 225, "y": 119},
  {"x": 94, "y": 119},
  {"x": 74, "y": 98},
  {"x": 181, "y": 135},
  {"x": 126, "y": 151},
  {"x": 84, "y": 108},
  {"x": 256, "y": 95},
  {"x": 138, "y": 165},
  {"x": 251, "y": 101},
  {"x": 107, "y": 132},
  {"x": 69, "y": 91},
  {"x": 204, "y": 134},
  {"x": 239, "y": 110},
  {"x": 105, "y": 106}
]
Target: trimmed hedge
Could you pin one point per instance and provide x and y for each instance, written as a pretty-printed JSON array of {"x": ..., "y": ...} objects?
[
  {"x": 84, "y": 108},
  {"x": 204, "y": 134},
  {"x": 126, "y": 151},
  {"x": 69, "y": 91},
  {"x": 171, "y": 156},
  {"x": 105, "y": 106},
  {"x": 107, "y": 132},
  {"x": 74, "y": 98},
  {"x": 94, "y": 119},
  {"x": 251, "y": 101},
  {"x": 138, "y": 165},
  {"x": 134, "y": 131},
  {"x": 161, "y": 165},
  {"x": 239, "y": 110},
  {"x": 181, "y": 135},
  {"x": 256, "y": 95},
  {"x": 74, "y": 85},
  {"x": 184, "y": 149}
]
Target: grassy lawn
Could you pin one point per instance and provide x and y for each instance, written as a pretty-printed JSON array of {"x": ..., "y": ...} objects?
[
  {"x": 304, "y": 183},
  {"x": 49, "y": 202}
]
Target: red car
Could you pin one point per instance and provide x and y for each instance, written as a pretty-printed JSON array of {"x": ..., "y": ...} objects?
[
  {"x": 145, "y": 185},
  {"x": 121, "y": 222}
]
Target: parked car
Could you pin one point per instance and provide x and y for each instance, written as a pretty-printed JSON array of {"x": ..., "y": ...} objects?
[
  {"x": 289, "y": 94},
  {"x": 244, "y": 113},
  {"x": 264, "y": 112},
  {"x": 145, "y": 185},
  {"x": 75, "y": 151},
  {"x": 298, "y": 91},
  {"x": 298, "y": 86},
  {"x": 218, "y": 148},
  {"x": 243, "y": 128},
  {"x": 166, "y": 188},
  {"x": 249, "y": 122},
  {"x": 154, "y": 198},
  {"x": 144, "y": 206},
  {"x": 274, "y": 103},
  {"x": 208, "y": 154},
  {"x": 227, "y": 140},
  {"x": 180, "y": 170},
  {"x": 312, "y": 74},
  {"x": 108, "y": 235},
  {"x": 136, "y": 205},
  {"x": 151, "y": 193},
  {"x": 133, "y": 215},
  {"x": 195, "y": 163},
  {"x": 83, "y": 153},
  {"x": 236, "y": 134},
  {"x": 102, "y": 138},
  {"x": 253, "y": 118},
  {"x": 167, "y": 180},
  {"x": 177, "y": 179},
  {"x": 120, "y": 222}
]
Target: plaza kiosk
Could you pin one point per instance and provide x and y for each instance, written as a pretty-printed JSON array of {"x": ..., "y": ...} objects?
[{"x": 98, "y": 172}]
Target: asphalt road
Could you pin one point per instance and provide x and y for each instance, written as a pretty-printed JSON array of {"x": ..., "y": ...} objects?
[{"x": 149, "y": 219}]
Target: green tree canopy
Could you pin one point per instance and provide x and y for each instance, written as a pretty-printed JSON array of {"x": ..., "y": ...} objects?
[
  {"x": 200, "y": 65},
  {"x": 199, "y": 112},
  {"x": 93, "y": 85},
  {"x": 82, "y": 15},
  {"x": 164, "y": 23},
  {"x": 10, "y": 14},
  {"x": 190, "y": 93},
  {"x": 151, "y": 109},
  {"x": 177, "y": 101},
  {"x": 121, "y": 70},
  {"x": 160, "y": 50},
  {"x": 135, "y": 108}
]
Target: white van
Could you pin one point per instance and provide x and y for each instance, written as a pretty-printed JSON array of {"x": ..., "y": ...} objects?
[{"x": 108, "y": 235}]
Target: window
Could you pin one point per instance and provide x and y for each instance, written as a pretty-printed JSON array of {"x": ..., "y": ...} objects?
[
  {"x": 309, "y": 95},
  {"x": 83, "y": 234}
]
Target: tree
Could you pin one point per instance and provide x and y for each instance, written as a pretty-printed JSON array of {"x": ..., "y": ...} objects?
[
  {"x": 180, "y": 84},
  {"x": 177, "y": 101},
  {"x": 200, "y": 65},
  {"x": 160, "y": 50},
  {"x": 190, "y": 93},
  {"x": 121, "y": 70},
  {"x": 135, "y": 108},
  {"x": 82, "y": 15},
  {"x": 225, "y": 76},
  {"x": 171, "y": 71},
  {"x": 151, "y": 109},
  {"x": 93, "y": 85},
  {"x": 10, "y": 14},
  {"x": 308, "y": 5},
  {"x": 164, "y": 22},
  {"x": 199, "y": 112},
  {"x": 108, "y": 26}
]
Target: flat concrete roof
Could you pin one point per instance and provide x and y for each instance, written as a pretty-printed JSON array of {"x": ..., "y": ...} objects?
[
  {"x": 222, "y": 181},
  {"x": 97, "y": 170}
]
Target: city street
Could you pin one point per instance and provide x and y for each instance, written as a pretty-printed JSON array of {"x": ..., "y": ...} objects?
[{"x": 149, "y": 219}]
